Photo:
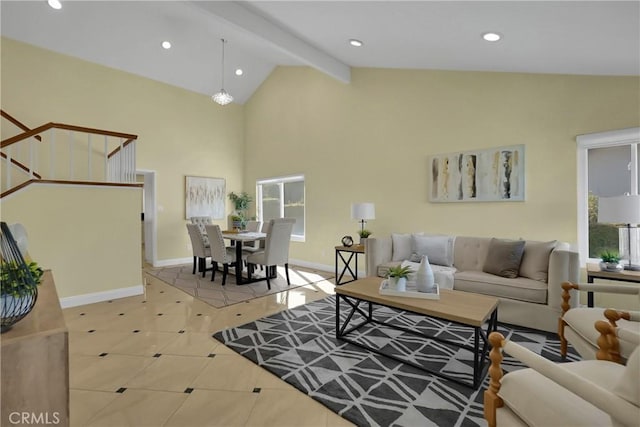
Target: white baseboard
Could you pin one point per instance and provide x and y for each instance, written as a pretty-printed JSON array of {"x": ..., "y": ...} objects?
[
  {"x": 313, "y": 265},
  {"x": 171, "y": 262},
  {"x": 94, "y": 297}
]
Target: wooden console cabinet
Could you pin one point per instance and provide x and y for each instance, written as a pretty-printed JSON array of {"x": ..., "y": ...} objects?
[{"x": 35, "y": 364}]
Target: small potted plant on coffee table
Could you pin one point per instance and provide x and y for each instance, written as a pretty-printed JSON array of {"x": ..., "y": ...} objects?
[
  {"x": 610, "y": 261},
  {"x": 398, "y": 277}
]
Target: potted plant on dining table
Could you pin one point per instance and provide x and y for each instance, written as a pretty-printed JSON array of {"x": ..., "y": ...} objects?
[{"x": 241, "y": 204}]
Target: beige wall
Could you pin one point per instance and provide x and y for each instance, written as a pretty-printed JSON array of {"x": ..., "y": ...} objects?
[
  {"x": 85, "y": 234},
  {"x": 180, "y": 132},
  {"x": 365, "y": 141},
  {"x": 369, "y": 141}
]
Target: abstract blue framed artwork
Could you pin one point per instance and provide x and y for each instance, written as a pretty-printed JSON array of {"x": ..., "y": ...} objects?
[{"x": 491, "y": 175}]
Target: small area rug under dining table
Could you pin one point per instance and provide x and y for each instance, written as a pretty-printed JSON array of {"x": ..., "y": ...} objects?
[
  {"x": 215, "y": 294},
  {"x": 300, "y": 347}
]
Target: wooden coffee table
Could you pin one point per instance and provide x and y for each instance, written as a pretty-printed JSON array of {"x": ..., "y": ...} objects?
[{"x": 464, "y": 308}]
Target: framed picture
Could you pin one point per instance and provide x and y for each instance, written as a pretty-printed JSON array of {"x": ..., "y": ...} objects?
[
  {"x": 205, "y": 197},
  {"x": 491, "y": 175}
]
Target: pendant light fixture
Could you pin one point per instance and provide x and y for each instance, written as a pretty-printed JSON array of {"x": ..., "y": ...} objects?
[{"x": 222, "y": 97}]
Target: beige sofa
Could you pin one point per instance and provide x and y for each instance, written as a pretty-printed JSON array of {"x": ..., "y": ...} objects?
[{"x": 532, "y": 299}]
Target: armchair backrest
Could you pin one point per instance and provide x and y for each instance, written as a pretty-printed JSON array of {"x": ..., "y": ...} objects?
[
  {"x": 216, "y": 243},
  {"x": 277, "y": 242},
  {"x": 197, "y": 242}
]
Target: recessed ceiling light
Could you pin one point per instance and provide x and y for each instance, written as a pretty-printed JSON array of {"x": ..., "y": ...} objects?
[
  {"x": 166, "y": 44},
  {"x": 55, "y": 4},
  {"x": 356, "y": 43},
  {"x": 491, "y": 37},
  {"x": 239, "y": 72}
]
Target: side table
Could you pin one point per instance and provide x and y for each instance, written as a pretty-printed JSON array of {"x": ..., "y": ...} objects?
[
  {"x": 353, "y": 252},
  {"x": 594, "y": 272}
]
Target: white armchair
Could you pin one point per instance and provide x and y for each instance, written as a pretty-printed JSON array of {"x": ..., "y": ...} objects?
[
  {"x": 575, "y": 326},
  {"x": 586, "y": 393}
]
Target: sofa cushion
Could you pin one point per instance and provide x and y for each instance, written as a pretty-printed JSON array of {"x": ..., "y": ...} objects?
[
  {"x": 470, "y": 252},
  {"x": 439, "y": 249},
  {"x": 520, "y": 288},
  {"x": 401, "y": 246},
  {"x": 535, "y": 260},
  {"x": 504, "y": 257}
]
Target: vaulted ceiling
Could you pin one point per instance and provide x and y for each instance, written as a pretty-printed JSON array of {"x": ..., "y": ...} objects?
[{"x": 572, "y": 37}]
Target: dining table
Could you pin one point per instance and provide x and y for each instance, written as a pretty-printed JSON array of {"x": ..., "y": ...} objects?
[{"x": 238, "y": 238}]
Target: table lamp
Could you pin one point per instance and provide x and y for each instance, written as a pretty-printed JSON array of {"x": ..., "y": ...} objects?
[
  {"x": 362, "y": 212},
  {"x": 622, "y": 210}
]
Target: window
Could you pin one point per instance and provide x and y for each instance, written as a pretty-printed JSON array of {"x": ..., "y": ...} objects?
[
  {"x": 282, "y": 197},
  {"x": 607, "y": 166}
]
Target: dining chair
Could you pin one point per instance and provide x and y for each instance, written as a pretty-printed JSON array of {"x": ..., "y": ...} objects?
[
  {"x": 201, "y": 222},
  {"x": 255, "y": 245},
  {"x": 221, "y": 254},
  {"x": 200, "y": 251},
  {"x": 276, "y": 249}
]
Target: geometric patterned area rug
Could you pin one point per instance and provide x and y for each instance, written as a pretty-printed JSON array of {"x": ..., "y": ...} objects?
[
  {"x": 299, "y": 346},
  {"x": 215, "y": 294}
]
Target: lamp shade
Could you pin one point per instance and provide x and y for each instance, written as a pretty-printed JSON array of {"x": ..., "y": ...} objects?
[
  {"x": 361, "y": 211},
  {"x": 619, "y": 209}
]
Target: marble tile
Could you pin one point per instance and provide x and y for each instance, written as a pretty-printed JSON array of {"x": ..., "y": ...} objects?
[
  {"x": 192, "y": 344},
  {"x": 108, "y": 373},
  {"x": 214, "y": 409},
  {"x": 221, "y": 387},
  {"x": 138, "y": 408},
  {"x": 84, "y": 404},
  {"x": 279, "y": 408},
  {"x": 145, "y": 343},
  {"x": 170, "y": 373},
  {"x": 228, "y": 372}
]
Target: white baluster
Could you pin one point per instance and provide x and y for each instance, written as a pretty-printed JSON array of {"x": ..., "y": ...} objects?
[
  {"x": 133, "y": 151},
  {"x": 121, "y": 163}
]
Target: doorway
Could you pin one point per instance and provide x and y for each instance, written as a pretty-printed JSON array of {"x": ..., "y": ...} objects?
[{"x": 148, "y": 214}]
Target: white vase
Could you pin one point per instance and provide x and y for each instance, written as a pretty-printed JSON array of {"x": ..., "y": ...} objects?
[
  {"x": 425, "y": 281},
  {"x": 398, "y": 283}
]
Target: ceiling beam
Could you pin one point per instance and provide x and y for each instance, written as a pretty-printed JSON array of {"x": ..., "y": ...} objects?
[{"x": 251, "y": 22}]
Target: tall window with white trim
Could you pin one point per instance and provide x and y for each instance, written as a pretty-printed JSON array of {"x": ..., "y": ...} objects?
[
  {"x": 607, "y": 167},
  {"x": 282, "y": 197}
]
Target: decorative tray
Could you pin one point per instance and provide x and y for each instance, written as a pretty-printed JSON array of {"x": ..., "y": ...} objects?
[{"x": 409, "y": 293}]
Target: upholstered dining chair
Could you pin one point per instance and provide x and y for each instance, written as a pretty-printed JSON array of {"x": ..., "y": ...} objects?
[
  {"x": 221, "y": 254},
  {"x": 276, "y": 249},
  {"x": 200, "y": 251},
  {"x": 575, "y": 326},
  {"x": 586, "y": 393},
  {"x": 201, "y": 222},
  {"x": 253, "y": 246}
]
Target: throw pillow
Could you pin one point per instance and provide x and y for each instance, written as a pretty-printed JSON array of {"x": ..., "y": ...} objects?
[
  {"x": 439, "y": 249},
  {"x": 504, "y": 257},
  {"x": 401, "y": 246},
  {"x": 535, "y": 260}
]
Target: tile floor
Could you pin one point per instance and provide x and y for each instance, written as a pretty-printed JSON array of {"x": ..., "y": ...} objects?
[{"x": 151, "y": 361}]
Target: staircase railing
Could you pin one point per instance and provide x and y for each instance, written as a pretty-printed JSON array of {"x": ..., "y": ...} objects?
[{"x": 63, "y": 152}]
